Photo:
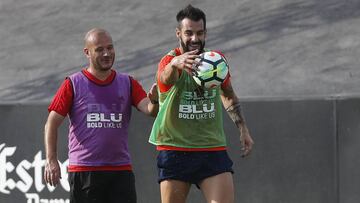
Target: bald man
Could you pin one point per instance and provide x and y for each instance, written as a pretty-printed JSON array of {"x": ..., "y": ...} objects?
[{"x": 98, "y": 101}]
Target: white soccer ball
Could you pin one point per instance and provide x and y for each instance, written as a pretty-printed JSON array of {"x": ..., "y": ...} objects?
[{"x": 212, "y": 71}]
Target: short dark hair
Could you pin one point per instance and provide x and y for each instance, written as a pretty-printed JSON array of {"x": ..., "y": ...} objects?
[{"x": 194, "y": 14}]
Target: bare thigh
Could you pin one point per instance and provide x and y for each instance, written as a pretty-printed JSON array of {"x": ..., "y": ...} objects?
[
  {"x": 219, "y": 188},
  {"x": 174, "y": 191}
]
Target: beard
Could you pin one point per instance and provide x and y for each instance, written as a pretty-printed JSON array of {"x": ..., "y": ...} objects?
[
  {"x": 186, "y": 46},
  {"x": 100, "y": 66}
]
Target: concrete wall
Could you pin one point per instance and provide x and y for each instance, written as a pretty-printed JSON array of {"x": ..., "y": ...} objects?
[
  {"x": 348, "y": 144},
  {"x": 305, "y": 151},
  {"x": 275, "y": 48}
]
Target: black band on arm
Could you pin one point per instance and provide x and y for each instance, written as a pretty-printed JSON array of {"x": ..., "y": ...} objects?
[
  {"x": 234, "y": 112},
  {"x": 154, "y": 101}
]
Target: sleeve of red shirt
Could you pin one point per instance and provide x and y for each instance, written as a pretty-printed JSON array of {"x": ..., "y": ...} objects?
[
  {"x": 137, "y": 92},
  {"x": 62, "y": 100},
  {"x": 164, "y": 61}
]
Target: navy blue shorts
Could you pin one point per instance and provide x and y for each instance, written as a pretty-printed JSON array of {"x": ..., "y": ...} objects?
[{"x": 192, "y": 167}]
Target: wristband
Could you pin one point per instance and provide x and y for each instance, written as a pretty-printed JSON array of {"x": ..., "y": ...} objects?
[{"x": 154, "y": 102}]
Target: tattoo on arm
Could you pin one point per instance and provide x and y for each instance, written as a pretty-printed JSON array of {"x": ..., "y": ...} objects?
[{"x": 234, "y": 112}]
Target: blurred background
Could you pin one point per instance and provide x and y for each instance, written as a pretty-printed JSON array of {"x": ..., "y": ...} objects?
[{"x": 276, "y": 48}]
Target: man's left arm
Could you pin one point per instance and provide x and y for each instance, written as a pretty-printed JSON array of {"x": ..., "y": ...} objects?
[
  {"x": 150, "y": 104},
  {"x": 232, "y": 106}
]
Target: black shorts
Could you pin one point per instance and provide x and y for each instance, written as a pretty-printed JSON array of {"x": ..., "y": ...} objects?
[
  {"x": 102, "y": 186},
  {"x": 192, "y": 167}
]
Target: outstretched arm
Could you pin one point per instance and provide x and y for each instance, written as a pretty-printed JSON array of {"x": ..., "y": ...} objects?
[
  {"x": 170, "y": 74},
  {"x": 232, "y": 105},
  {"x": 52, "y": 172},
  {"x": 150, "y": 104}
]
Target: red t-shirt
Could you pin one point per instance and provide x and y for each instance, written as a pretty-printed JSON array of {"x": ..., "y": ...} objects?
[
  {"x": 62, "y": 100},
  {"x": 62, "y": 103}
]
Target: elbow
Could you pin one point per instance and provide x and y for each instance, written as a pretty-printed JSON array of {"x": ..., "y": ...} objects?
[
  {"x": 164, "y": 80},
  {"x": 167, "y": 80}
]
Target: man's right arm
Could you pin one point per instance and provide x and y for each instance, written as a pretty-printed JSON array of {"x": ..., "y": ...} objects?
[
  {"x": 58, "y": 109},
  {"x": 52, "y": 172},
  {"x": 170, "y": 73}
]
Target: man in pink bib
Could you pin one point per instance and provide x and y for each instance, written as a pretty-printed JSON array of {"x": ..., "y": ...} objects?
[{"x": 98, "y": 101}]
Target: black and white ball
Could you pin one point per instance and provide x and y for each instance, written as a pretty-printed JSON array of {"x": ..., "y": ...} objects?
[{"x": 212, "y": 71}]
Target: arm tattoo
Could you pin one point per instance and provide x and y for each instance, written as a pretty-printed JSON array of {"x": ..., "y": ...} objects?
[{"x": 234, "y": 112}]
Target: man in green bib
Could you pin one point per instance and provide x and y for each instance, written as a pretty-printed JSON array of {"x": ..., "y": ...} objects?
[{"x": 188, "y": 130}]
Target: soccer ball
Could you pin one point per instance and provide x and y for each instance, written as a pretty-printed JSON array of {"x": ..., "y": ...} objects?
[{"x": 212, "y": 71}]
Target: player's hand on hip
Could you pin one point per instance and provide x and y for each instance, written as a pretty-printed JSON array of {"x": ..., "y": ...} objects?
[
  {"x": 187, "y": 61},
  {"x": 52, "y": 172}
]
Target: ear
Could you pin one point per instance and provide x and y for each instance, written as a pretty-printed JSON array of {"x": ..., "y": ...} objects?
[
  {"x": 86, "y": 52},
  {"x": 177, "y": 32}
]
